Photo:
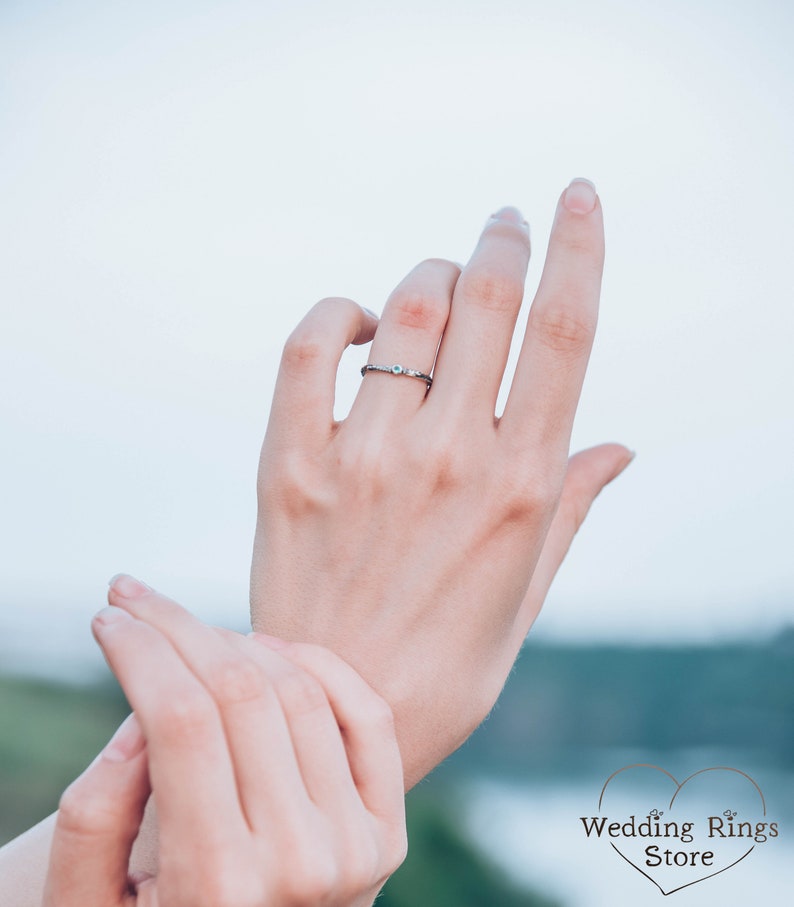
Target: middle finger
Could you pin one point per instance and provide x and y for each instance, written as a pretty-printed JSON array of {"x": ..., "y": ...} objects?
[
  {"x": 485, "y": 307},
  {"x": 189, "y": 761},
  {"x": 408, "y": 335}
]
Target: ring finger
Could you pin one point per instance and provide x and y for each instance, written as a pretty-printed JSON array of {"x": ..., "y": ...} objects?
[{"x": 408, "y": 335}]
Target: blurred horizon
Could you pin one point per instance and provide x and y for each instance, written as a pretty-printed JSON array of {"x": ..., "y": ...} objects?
[{"x": 49, "y": 644}]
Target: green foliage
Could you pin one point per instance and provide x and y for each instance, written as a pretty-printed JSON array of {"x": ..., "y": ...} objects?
[
  {"x": 48, "y": 735},
  {"x": 443, "y": 868},
  {"x": 562, "y": 702}
]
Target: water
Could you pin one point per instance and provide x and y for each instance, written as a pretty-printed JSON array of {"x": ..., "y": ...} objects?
[{"x": 535, "y": 833}]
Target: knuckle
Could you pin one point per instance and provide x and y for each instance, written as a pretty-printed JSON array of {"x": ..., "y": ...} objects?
[
  {"x": 307, "y": 344},
  {"x": 300, "y": 693},
  {"x": 397, "y": 850},
  {"x": 302, "y": 350},
  {"x": 316, "y": 876},
  {"x": 529, "y": 499},
  {"x": 436, "y": 263},
  {"x": 507, "y": 231},
  {"x": 450, "y": 469},
  {"x": 315, "y": 658},
  {"x": 187, "y": 717},
  {"x": 290, "y": 485},
  {"x": 492, "y": 291},
  {"x": 584, "y": 249},
  {"x": 82, "y": 814},
  {"x": 400, "y": 849},
  {"x": 370, "y": 469},
  {"x": 409, "y": 307},
  {"x": 379, "y": 715},
  {"x": 223, "y": 885},
  {"x": 238, "y": 680},
  {"x": 333, "y": 305},
  {"x": 563, "y": 329},
  {"x": 363, "y": 868},
  {"x": 312, "y": 652}
]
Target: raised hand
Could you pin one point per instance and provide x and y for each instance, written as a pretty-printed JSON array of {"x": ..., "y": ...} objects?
[{"x": 418, "y": 537}]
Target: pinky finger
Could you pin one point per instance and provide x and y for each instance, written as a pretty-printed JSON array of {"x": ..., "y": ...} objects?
[
  {"x": 588, "y": 472},
  {"x": 98, "y": 820}
]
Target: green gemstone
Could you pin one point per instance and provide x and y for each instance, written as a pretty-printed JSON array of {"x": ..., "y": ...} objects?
[{"x": 397, "y": 369}]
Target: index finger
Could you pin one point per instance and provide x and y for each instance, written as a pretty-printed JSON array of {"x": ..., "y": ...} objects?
[
  {"x": 189, "y": 763},
  {"x": 303, "y": 402},
  {"x": 562, "y": 320}
]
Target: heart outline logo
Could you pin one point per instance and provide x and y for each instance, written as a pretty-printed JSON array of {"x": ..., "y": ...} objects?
[{"x": 679, "y": 786}]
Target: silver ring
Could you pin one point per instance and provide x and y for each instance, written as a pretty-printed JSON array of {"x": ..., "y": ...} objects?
[{"x": 398, "y": 370}]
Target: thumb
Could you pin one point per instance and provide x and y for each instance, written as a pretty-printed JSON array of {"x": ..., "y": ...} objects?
[
  {"x": 588, "y": 472},
  {"x": 98, "y": 819}
]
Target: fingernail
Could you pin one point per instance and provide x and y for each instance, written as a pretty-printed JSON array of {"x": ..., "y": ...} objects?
[
  {"x": 128, "y": 587},
  {"x": 509, "y": 215},
  {"x": 111, "y": 615},
  {"x": 625, "y": 465},
  {"x": 126, "y": 743},
  {"x": 580, "y": 196},
  {"x": 272, "y": 642},
  {"x": 370, "y": 312}
]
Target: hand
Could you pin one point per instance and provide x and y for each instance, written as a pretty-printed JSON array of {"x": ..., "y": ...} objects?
[
  {"x": 418, "y": 537},
  {"x": 275, "y": 784}
]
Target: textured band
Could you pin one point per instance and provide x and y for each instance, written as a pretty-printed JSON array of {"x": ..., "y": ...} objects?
[{"x": 398, "y": 370}]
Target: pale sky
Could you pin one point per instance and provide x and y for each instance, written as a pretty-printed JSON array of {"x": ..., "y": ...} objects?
[{"x": 180, "y": 182}]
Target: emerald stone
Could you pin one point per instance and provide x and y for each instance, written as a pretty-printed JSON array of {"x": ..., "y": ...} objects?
[{"x": 397, "y": 369}]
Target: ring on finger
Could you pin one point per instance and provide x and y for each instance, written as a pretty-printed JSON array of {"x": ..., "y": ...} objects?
[{"x": 398, "y": 370}]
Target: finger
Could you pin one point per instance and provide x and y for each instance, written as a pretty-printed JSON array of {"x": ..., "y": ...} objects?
[
  {"x": 562, "y": 320},
  {"x": 365, "y": 720},
  {"x": 303, "y": 401},
  {"x": 485, "y": 306},
  {"x": 98, "y": 820},
  {"x": 189, "y": 762},
  {"x": 588, "y": 472},
  {"x": 408, "y": 335},
  {"x": 319, "y": 749},
  {"x": 258, "y": 734}
]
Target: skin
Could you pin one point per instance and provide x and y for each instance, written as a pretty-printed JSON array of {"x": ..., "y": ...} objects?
[
  {"x": 418, "y": 537},
  {"x": 276, "y": 785}
]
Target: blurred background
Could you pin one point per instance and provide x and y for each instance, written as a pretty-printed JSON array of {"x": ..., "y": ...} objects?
[{"x": 180, "y": 182}]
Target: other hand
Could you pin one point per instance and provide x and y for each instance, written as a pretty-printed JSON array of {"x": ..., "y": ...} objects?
[{"x": 275, "y": 784}]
